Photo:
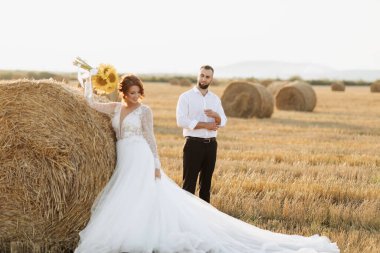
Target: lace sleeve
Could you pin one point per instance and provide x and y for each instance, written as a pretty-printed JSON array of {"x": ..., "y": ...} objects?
[
  {"x": 147, "y": 129},
  {"x": 107, "y": 108}
]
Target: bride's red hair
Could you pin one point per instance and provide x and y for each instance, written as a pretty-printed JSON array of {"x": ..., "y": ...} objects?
[{"x": 128, "y": 81}]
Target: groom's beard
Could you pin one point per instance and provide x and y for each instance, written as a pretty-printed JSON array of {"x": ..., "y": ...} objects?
[{"x": 203, "y": 86}]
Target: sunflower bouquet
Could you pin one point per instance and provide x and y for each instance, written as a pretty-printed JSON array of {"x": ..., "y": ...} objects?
[{"x": 104, "y": 78}]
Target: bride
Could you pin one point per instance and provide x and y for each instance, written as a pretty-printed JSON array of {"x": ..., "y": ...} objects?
[{"x": 141, "y": 210}]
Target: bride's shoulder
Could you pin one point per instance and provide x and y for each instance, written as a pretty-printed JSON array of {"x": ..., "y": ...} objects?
[{"x": 145, "y": 109}]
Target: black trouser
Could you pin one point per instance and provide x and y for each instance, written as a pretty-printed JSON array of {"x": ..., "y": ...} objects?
[{"x": 199, "y": 158}]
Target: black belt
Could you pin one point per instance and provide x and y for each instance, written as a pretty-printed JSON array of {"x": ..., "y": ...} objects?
[{"x": 203, "y": 140}]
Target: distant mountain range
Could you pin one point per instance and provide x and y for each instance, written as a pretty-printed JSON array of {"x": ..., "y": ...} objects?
[{"x": 284, "y": 70}]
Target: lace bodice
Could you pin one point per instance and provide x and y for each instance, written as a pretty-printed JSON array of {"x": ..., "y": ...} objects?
[{"x": 139, "y": 122}]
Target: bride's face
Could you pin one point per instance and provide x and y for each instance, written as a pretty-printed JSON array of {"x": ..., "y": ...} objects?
[{"x": 133, "y": 95}]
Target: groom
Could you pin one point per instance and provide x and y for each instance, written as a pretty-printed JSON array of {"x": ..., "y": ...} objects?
[{"x": 200, "y": 114}]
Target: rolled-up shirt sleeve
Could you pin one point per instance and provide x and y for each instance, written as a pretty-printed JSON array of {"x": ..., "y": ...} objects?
[
  {"x": 223, "y": 118},
  {"x": 182, "y": 114}
]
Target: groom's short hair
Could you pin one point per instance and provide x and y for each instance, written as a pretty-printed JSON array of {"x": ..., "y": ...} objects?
[{"x": 207, "y": 67}]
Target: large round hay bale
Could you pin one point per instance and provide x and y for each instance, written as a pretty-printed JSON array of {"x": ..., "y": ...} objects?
[
  {"x": 296, "y": 96},
  {"x": 375, "y": 86},
  {"x": 56, "y": 155},
  {"x": 185, "y": 82},
  {"x": 174, "y": 81},
  {"x": 180, "y": 81},
  {"x": 275, "y": 86},
  {"x": 338, "y": 86},
  {"x": 247, "y": 100}
]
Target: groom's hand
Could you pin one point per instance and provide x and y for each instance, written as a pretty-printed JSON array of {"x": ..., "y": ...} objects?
[
  {"x": 211, "y": 126},
  {"x": 210, "y": 113}
]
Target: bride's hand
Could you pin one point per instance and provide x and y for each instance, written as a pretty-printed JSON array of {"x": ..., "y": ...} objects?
[{"x": 157, "y": 174}]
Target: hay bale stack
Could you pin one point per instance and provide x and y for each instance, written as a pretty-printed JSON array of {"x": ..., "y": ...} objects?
[
  {"x": 56, "y": 155},
  {"x": 185, "y": 82},
  {"x": 375, "y": 86},
  {"x": 275, "y": 86},
  {"x": 247, "y": 100},
  {"x": 338, "y": 86},
  {"x": 296, "y": 96},
  {"x": 180, "y": 81},
  {"x": 174, "y": 81},
  {"x": 266, "y": 82}
]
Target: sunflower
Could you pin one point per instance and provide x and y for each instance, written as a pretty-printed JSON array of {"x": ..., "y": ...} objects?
[{"x": 106, "y": 79}]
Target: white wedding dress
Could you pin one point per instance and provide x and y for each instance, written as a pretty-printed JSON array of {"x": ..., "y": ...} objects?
[{"x": 137, "y": 213}]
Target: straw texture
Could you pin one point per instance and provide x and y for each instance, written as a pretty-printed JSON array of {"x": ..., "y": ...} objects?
[
  {"x": 375, "y": 86},
  {"x": 275, "y": 86},
  {"x": 296, "y": 96},
  {"x": 56, "y": 155},
  {"x": 247, "y": 100},
  {"x": 338, "y": 86}
]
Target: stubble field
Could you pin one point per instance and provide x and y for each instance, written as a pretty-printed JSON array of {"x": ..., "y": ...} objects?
[{"x": 296, "y": 172}]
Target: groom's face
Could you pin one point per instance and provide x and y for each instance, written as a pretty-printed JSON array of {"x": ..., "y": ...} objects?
[{"x": 205, "y": 78}]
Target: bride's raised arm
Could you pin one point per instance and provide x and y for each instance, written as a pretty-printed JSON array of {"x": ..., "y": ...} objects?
[{"x": 107, "y": 108}]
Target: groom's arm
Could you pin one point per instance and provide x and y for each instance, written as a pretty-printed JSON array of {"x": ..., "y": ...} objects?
[
  {"x": 213, "y": 126},
  {"x": 182, "y": 112}
]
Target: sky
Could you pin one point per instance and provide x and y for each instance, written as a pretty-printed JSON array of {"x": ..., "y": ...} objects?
[{"x": 174, "y": 36}]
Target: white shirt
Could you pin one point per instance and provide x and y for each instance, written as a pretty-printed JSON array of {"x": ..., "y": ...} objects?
[{"x": 190, "y": 110}]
